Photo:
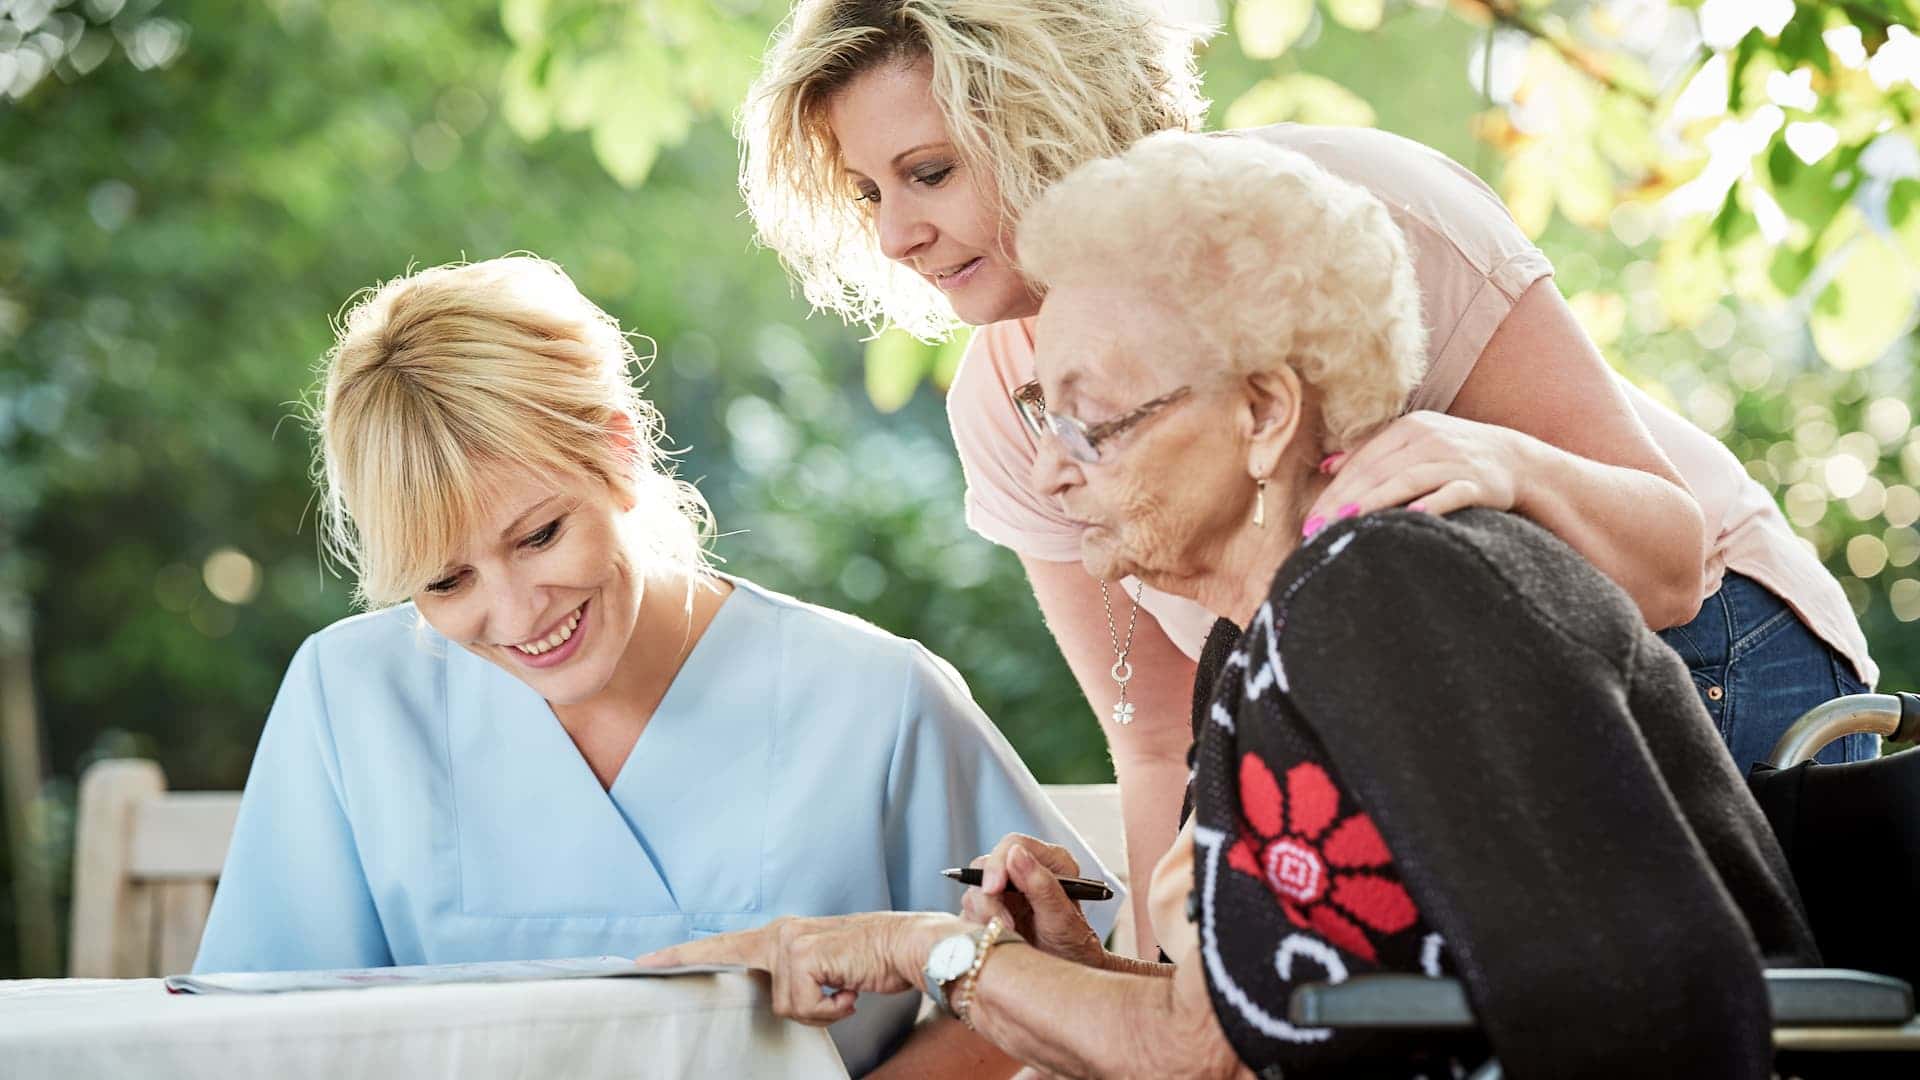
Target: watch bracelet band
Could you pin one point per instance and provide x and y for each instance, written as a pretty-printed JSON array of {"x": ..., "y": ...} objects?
[
  {"x": 935, "y": 984},
  {"x": 992, "y": 935}
]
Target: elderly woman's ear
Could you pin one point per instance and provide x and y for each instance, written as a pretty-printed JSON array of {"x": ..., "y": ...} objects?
[{"x": 1273, "y": 406}]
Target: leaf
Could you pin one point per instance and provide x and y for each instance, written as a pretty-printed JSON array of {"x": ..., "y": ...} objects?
[
  {"x": 1790, "y": 269},
  {"x": 1733, "y": 223},
  {"x": 1813, "y": 193},
  {"x": 525, "y": 20},
  {"x": 634, "y": 112},
  {"x": 1783, "y": 166},
  {"x": 579, "y": 92},
  {"x": 1800, "y": 41},
  {"x": 1266, "y": 28},
  {"x": 627, "y": 151},
  {"x": 1866, "y": 307},
  {"x": 1743, "y": 55},
  {"x": 1300, "y": 97},
  {"x": 1357, "y": 14},
  {"x": 628, "y": 136},
  {"x": 895, "y": 363},
  {"x": 522, "y": 102},
  {"x": 1902, "y": 202}
]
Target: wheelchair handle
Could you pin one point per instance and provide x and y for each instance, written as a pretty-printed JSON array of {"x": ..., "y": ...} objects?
[{"x": 1893, "y": 716}]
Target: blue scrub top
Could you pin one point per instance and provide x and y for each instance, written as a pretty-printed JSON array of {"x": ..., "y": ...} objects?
[{"x": 411, "y": 803}]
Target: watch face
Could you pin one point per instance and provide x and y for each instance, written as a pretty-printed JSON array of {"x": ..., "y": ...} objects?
[{"x": 951, "y": 957}]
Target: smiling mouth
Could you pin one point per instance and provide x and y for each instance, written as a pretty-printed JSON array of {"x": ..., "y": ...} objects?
[
  {"x": 555, "y": 638},
  {"x": 953, "y": 276}
]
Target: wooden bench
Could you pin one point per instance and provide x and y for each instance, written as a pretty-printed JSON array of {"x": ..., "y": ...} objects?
[
  {"x": 146, "y": 859},
  {"x": 144, "y": 865}
]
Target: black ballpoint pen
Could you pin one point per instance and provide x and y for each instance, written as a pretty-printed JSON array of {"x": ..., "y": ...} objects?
[{"x": 1076, "y": 888}]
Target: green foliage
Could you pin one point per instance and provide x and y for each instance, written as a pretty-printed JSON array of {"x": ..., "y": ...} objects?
[
  {"x": 173, "y": 244},
  {"x": 635, "y": 76}
]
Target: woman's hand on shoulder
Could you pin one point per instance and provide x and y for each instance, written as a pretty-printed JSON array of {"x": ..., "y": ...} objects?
[
  {"x": 1017, "y": 883},
  {"x": 1425, "y": 461}
]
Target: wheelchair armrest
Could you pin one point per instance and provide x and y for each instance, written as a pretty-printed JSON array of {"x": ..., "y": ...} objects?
[
  {"x": 1893, "y": 716},
  {"x": 1384, "y": 1001},
  {"x": 1801, "y": 997}
]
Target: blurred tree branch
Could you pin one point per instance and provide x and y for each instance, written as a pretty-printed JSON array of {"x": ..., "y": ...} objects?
[{"x": 1494, "y": 13}]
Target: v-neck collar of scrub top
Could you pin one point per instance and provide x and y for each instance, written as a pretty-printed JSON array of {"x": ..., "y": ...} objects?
[{"x": 649, "y": 844}]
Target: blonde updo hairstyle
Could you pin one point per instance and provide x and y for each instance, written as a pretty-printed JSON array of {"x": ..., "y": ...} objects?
[
  {"x": 1029, "y": 89},
  {"x": 1272, "y": 260},
  {"x": 444, "y": 378}
]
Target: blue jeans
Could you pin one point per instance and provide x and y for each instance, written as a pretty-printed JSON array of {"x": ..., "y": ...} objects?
[{"x": 1758, "y": 667}]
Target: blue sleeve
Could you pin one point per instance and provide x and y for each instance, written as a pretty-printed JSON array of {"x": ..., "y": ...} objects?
[
  {"x": 293, "y": 895},
  {"x": 954, "y": 788}
]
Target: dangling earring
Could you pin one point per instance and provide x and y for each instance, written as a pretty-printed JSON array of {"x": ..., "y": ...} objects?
[{"x": 1260, "y": 505}]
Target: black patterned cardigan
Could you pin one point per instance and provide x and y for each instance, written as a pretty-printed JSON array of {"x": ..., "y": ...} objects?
[{"x": 1450, "y": 746}]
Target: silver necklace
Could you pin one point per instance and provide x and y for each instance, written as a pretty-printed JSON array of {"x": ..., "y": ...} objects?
[{"x": 1122, "y": 670}]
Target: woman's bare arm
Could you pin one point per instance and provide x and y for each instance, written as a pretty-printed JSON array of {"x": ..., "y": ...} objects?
[
  {"x": 1541, "y": 427},
  {"x": 1079, "y": 1021},
  {"x": 1150, "y": 754},
  {"x": 1612, "y": 495},
  {"x": 1066, "y": 1017}
]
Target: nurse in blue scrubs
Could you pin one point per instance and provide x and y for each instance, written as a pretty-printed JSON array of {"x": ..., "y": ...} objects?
[{"x": 556, "y": 732}]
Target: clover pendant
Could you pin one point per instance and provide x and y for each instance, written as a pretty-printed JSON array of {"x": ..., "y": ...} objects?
[{"x": 1123, "y": 712}]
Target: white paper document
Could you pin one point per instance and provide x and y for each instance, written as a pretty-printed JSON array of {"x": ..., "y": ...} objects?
[{"x": 279, "y": 982}]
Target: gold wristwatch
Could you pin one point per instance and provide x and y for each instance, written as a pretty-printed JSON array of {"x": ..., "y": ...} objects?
[{"x": 960, "y": 956}]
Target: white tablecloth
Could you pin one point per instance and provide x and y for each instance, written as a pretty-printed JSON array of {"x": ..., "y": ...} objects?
[{"x": 685, "y": 1026}]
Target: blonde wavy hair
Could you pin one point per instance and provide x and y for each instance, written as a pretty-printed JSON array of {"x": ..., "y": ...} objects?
[
  {"x": 1029, "y": 89},
  {"x": 1271, "y": 259},
  {"x": 439, "y": 379}
]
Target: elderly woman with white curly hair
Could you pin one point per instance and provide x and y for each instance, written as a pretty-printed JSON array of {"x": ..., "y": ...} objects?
[{"x": 1442, "y": 744}]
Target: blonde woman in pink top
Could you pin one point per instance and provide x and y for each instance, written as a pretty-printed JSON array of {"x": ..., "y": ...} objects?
[{"x": 891, "y": 146}]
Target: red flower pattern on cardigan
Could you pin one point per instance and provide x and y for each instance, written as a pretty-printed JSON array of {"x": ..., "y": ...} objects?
[{"x": 1327, "y": 875}]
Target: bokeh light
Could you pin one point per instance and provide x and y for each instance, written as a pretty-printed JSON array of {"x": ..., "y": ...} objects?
[
  {"x": 231, "y": 576},
  {"x": 1903, "y": 505},
  {"x": 1750, "y": 368},
  {"x": 1866, "y": 555},
  {"x": 1904, "y": 598},
  {"x": 1816, "y": 434},
  {"x": 1844, "y": 475},
  {"x": 1806, "y": 504},
  {"x": 1889, "y": 420},
  {"x": 1711, "y": 407},
  {"x": 1903, "y": 545},
  {"x": 1869, "y": 502}
]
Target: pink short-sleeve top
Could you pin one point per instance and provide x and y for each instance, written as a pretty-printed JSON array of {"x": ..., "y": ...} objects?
[{"x": 1473, "y": 263}]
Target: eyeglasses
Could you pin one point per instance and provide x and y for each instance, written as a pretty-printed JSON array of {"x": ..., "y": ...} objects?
[{"x": 1078, "y": 438}]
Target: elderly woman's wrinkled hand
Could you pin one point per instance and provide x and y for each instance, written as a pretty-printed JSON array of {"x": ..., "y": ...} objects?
[
  {"x": 1425, "y": 461},
  {"x": 818, "y": 967},
  {"x": 1017, "y": 883}
]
